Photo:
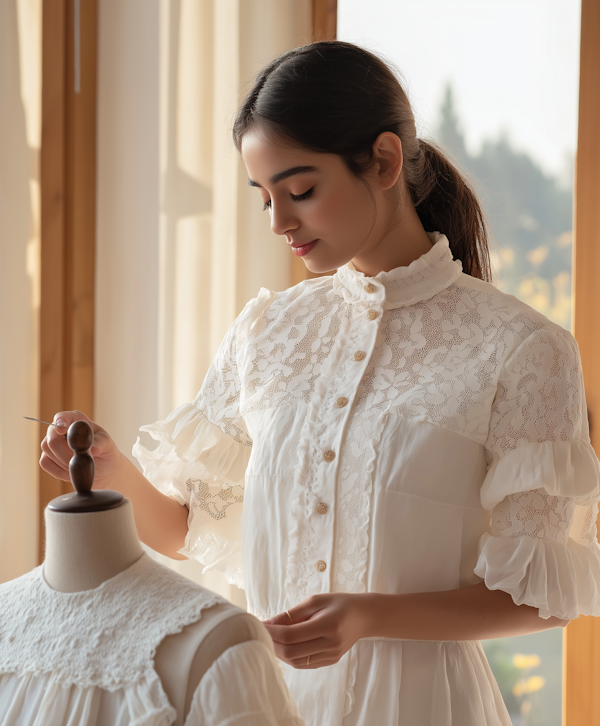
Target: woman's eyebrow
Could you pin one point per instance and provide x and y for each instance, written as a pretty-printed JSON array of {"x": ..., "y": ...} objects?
[{"x": 281, "y": 175}]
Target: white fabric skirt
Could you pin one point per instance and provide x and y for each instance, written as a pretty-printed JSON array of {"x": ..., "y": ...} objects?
[{"x": 403, "y": 683}]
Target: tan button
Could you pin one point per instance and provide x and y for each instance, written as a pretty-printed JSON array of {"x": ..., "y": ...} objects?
[
  {"x": 372, "y": 314},
  {"x": 359, "y": 355},
  {"x": 322, "y": 508},
  {"x": 321, "y": 566},
  {"x": 329, "y": 455},
  {"x": 341, "y": 402},
  {"x": 369, "y": 288}
]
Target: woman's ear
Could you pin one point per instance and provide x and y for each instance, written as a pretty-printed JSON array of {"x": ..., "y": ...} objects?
[{"x": 387, "y": 160}]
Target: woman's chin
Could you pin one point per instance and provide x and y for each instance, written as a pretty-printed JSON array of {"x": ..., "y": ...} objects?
[{"x": 320, "y": 266}]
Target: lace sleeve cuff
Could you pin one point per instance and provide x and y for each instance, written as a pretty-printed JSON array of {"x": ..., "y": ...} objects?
[
  {"x": 560, "y": 580},
  {"x": 203, "y": 468},
  {"x": 562, "y": 468},
  {"x": 190, "y": 446}
]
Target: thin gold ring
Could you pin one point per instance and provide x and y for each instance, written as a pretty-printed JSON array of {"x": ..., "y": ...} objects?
[
  {"x": 308, "y": 660},
  {"x": 290, "y": 617}
]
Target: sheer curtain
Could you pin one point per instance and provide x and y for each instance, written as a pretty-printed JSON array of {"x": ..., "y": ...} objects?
[
  {"x": 182, "y": 243},
  {"x": 20, "y": 94}
]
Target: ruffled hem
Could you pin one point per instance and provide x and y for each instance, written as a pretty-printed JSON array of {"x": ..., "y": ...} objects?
[
  {"x": 214, "y": 552},
  {"x": 188, "y": 441},
  {"x": 44, "y": 699},
  {"x": 561, "y": 469},
  {"x": 563, "y": 581},
  {"x": 192, "y": 448}
]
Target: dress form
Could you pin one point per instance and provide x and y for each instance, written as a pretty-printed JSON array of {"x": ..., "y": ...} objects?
[{"x": 87, "y": 545}]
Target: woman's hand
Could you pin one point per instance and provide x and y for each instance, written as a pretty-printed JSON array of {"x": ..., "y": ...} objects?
[
  {"x": 324, "y": 627},
  {"x": 56, "y": 452}
]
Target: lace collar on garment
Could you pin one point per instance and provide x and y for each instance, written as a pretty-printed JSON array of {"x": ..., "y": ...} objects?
[
  {"x": 105, "y": 637},
  {"x": 421, "y": 280}
]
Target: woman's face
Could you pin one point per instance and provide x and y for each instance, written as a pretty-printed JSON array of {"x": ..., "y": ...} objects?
[{"x": 325, "y": 213}]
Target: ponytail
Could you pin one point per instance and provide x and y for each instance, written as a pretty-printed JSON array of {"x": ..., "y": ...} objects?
[
  {"x": 336, "y": 98},
  {"x": 446, "y": 202}
]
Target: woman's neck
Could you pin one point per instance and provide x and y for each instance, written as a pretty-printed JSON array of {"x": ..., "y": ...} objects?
[
  {"x": 83, "y": 550},
  {"x": 398, "y": 239}
]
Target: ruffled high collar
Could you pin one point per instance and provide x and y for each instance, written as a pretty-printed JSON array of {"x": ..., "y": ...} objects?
[{"x": 421, "y": 280}]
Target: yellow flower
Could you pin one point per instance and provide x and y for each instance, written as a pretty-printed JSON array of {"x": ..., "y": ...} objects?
[
  {"x": 535, "y": 683},
  {"x": 529, "y": 685},
  {"x": 526, "y": 662}
]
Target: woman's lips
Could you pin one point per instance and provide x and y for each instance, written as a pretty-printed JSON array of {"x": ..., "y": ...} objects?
[{"x": 303, "y": 249}]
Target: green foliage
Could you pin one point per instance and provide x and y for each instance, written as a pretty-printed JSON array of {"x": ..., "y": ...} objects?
[{"x": 530, "y": 214}]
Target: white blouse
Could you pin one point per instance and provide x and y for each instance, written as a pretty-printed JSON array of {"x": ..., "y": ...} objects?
[
  {"x": 414, "y": 431},
  {"x": 87, "y": 658}
]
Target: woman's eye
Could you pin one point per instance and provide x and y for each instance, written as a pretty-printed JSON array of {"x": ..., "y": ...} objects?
[
  {"x": 295, "y": 198},
  {"x": 302, "y": 197}
]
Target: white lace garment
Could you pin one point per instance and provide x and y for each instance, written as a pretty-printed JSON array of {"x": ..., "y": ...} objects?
[
  {"x": 87, "y": 658},
  {"x": 414, "y": 431}
]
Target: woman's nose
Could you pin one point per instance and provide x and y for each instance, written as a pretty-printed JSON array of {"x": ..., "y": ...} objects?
[{"x": 282, "y": 219}]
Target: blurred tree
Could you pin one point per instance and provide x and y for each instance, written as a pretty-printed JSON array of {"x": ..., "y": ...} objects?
[{"x": 529, "y": 211}]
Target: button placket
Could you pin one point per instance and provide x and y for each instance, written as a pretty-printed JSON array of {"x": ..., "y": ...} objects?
[{"x": 330, "y": 431}]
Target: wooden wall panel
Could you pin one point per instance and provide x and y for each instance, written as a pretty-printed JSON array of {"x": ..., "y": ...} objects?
[
  {"x": 582, "y": 652},
  {"x": 324, "y": 19},
  {"x": 68, "y": 192}
]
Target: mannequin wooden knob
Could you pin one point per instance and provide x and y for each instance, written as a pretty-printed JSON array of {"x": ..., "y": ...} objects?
[{"x": 82, "y": 469}]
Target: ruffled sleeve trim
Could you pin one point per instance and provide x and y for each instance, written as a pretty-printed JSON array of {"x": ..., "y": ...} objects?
[
  {"x": 561, "y": 469},
  {"x": 560, "y": 580},
  {"x": 190, "y": 446}
]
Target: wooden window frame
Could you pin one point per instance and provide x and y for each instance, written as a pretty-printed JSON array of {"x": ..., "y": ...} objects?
[
  {"x": 581, "y": 658},
  {"x": 68, "y": 218}
]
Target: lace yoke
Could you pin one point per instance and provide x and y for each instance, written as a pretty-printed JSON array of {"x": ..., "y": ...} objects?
[{"x": 106, "y": 637}]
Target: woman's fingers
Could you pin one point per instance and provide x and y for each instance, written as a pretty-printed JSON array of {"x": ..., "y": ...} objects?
[
  {"x": 50, "y": 455},
  {"x": 297, "y": 633},
  {"x": 57, "y": 448},
  {"x": 294, "y": 651},
  {"x": 317, "y": 660},
  {"x": 323, "y": 627},
  {"x": 54, "y": 469},
  {"x": 56, "y": 451},
  {"x": 302, "y": 622}
]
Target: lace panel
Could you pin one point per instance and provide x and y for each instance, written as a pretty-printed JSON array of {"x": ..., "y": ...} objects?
[
  {"x": 438, "y": 360},
  {"x": 219, "y": 397},
  {"x": 284, "y": 364},
  {"x": 534, "y": 514},
  {"x": 213, "y": 496},
  {"x": 540, "y": 394},
  {"x": 105, "y": 637}
]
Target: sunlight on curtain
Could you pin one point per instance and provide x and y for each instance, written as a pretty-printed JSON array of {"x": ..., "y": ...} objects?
[
  {"x": 182, "y": 241},
  {"x": 20, "y": 91}
]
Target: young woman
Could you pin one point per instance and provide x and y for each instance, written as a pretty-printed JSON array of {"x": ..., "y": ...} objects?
[{"x": 397, "y": 453}]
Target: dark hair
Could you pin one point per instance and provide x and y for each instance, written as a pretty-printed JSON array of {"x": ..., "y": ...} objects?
[{"x": 336, "y": 98}]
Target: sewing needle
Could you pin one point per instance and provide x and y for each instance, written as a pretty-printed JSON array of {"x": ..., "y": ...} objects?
[{"x": 58, "y": 426}]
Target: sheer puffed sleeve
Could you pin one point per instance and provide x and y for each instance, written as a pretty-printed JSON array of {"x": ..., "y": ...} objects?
[
  {"x": 244, "y": 687},
  {"x": 543, "y": 483},
  {"x": 203, "y": 452}
]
